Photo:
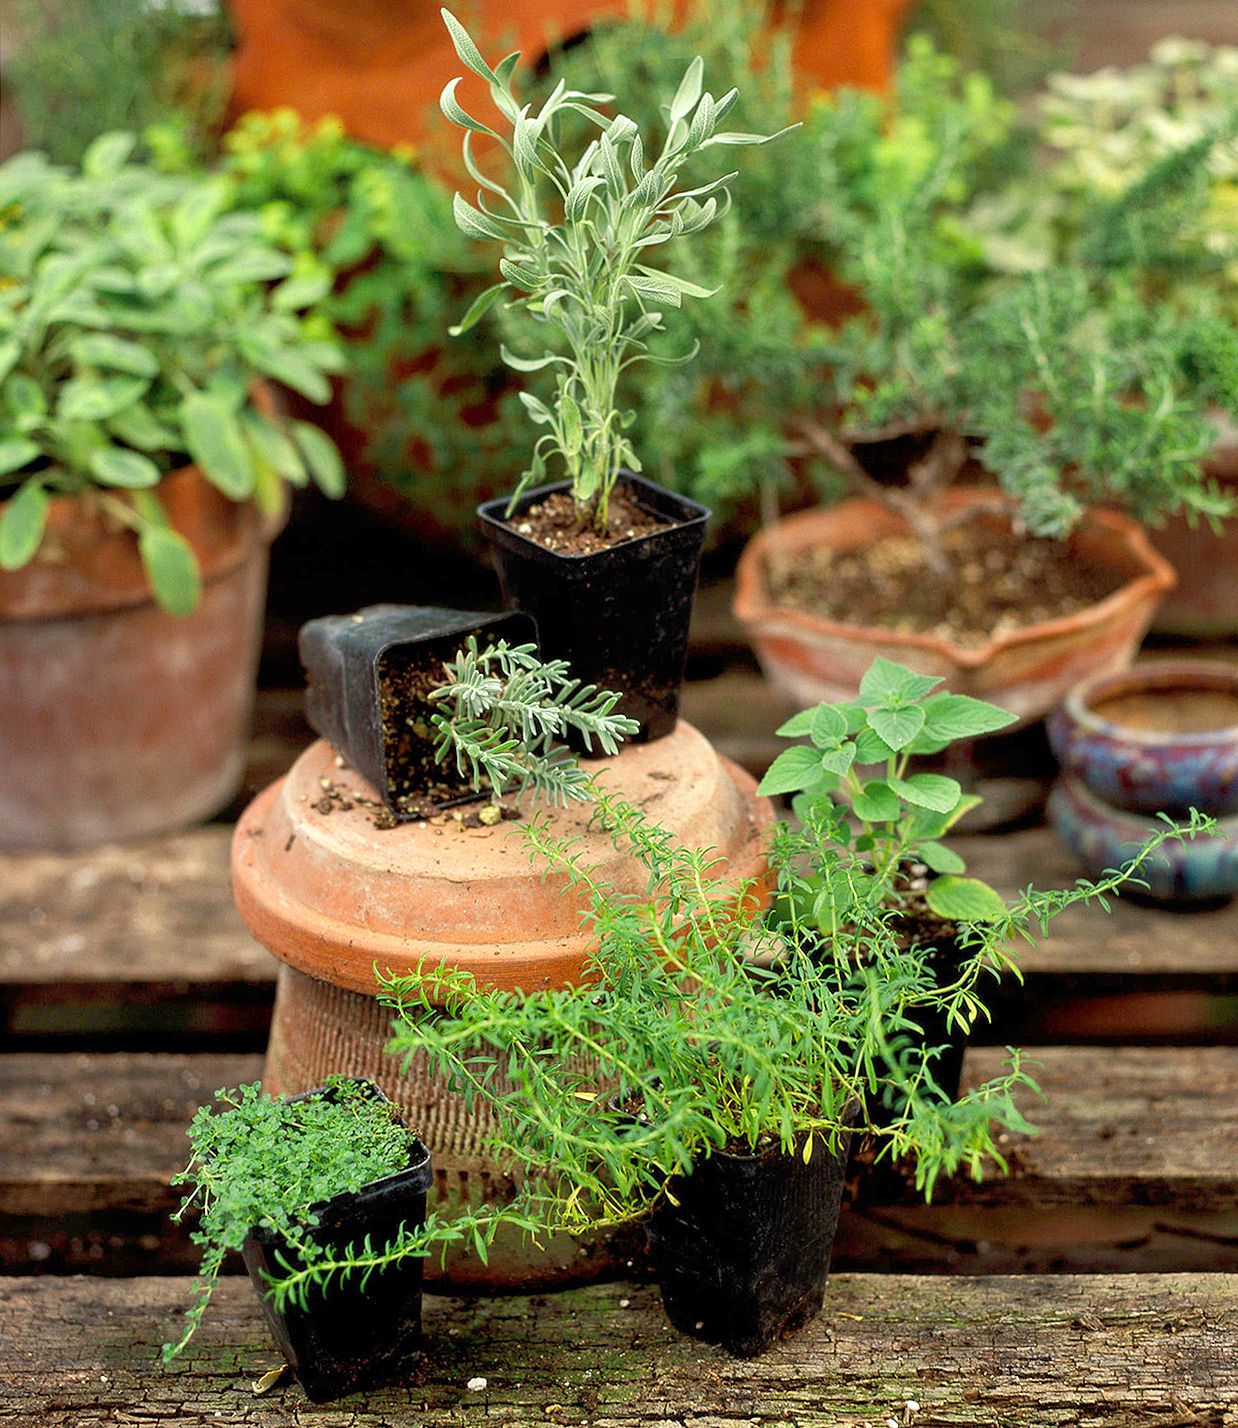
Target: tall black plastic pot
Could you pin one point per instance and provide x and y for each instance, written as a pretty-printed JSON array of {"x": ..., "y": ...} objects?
[
  {"x": 348, "y": 1338},
  {"x": 744, "y": 1257},
  {"x": 619, "y": 616}
]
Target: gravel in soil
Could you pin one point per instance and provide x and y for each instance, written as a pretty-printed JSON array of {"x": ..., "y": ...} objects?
[
  {"x": 996, "y": 583},
  {"x": 558, "y": 524}
]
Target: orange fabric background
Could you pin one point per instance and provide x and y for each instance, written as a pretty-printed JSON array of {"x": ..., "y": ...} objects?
[{"x": 380, "y": 65}]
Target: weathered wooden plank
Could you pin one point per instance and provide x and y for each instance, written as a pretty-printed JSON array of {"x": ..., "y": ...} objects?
[
  {"x": 1132, "y": 1350},
  {"x": 1136, "y": 1164}
]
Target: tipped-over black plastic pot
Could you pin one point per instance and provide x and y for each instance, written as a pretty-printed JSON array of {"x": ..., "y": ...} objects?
[
  {"x": 619, "y": 616},
  {"x": 348, "y": 1338},
  {"x": 365, "y": 671},
  {"x": 744, "y": 1257}
]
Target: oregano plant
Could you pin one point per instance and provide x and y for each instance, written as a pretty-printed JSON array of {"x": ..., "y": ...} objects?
[{"x": 579, "y": 235}]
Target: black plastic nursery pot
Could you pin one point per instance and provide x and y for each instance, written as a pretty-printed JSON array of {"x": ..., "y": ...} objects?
[
  {"x": 744, "y": 1257},
  {"x": 348, "y": 1338},
  {"x": 618, "y": 616},
  {"x": 368, "y": 674}
]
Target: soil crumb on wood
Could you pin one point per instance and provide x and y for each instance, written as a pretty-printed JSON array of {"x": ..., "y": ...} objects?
[
  {"x": 997, "y": 583},
  {"x": 558, "y": 524}
]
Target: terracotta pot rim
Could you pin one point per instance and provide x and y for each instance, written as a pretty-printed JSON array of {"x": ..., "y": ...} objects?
[
  {"x": 1161, "y": 674},
  {"x": 259, "y": 530},
  {"x": 752, "y": 604}
]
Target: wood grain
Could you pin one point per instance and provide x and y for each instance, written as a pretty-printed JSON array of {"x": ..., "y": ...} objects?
[
  {"x": 1142, "y": 1351},
  {"x": 1135, "y": 1163}
]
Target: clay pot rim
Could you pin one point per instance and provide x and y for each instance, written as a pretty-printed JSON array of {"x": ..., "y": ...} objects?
[
  {"x": 752, "y": 604},
  {"x": 1161, "y": 674},
  {"x": 259, "y": 530},
  {"x": 1137, "y": 825}
]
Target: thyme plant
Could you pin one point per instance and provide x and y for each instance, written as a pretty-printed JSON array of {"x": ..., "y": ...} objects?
[
  {"x": 261, "y": 1161},
  {"x": 577, "y": 241},
  {"x": 503, "y": 713}
]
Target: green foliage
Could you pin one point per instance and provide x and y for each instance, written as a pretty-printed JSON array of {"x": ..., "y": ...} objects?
[
  {"x": 855, "y": 777},
  {"x": 272, "y": 1163},
  {"x": 136, "y": 317},
  {"x": 681, "y": 1043},
  {"x": 716, "y": 428},
  {"x": 576, "y": 239},
  {"x": 81, "y": 68},
  {"x": 506, "y": 711},
  {"x": 439, "y": 422}
]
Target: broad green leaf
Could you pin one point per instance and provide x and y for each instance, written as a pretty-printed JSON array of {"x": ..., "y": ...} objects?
[
  {"x": 257, "y": 265},
  {"x": 793, "y": 770},
  {"x": 114, "y": 466},
  {"x": 322, "y": 457},
  {"x": 25, "y": 400},
  {"x": 10, "y": 351},
  {"x": 926, "y": 790},
  {"x": 573, "y": 431},
  {"x": 458, "y": 115},
  {"x": 689, "y": 91},
  {"x": 871, "y": 748},
  {"x": 964, "y": 900},
  {"x": 470, "y": 55},
  {"x": 940, "y": 858},
  {"x": 884, "y": 678},
  {"x": 22, "y": 523},
  {"x": 138, "y": 426},
  {"x": 171, "y": 567},
  {"x": 97, "y": 399},
  {"x": 877, "y": 804},
  {"x": 798, "y": 726},
  {"x": 957, "y": 716},
  {"x": 828, "y": 726},
  {"x": 302, "y": 289},
  {"x": 898, "y": 727},
  {"x": 16, "y": 452},
  {"x": 105, "y": 158},
  {"x": 837, "y": 761},
  {"x": 478, "y": 308},
  {"x": 214, "y": 440},
  {"x": 274, "y": 447},
  {"x": 855, "y": 715},
  {"x": 288, "y": 366},
  {"x": 933, "y": 825},
  {"x": 98, "y": 349},
  {"x": 474, "y": 223}
]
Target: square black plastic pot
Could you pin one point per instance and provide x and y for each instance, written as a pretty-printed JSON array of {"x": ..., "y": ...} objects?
[
  {"x": 347, "y": 1338},
  {"x": 619, "y": 616},
  {"x": 744, "y": 1257},
  {"x": 350, "y": 659}
]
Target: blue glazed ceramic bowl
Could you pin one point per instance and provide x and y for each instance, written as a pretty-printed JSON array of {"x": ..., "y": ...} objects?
[
  {"x": 1157, "y": 738},
  {"x": 1103, "y": 837}
]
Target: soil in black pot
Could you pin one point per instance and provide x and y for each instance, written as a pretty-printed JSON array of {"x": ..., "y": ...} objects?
[
  {"x": 558, "y": 523},
  {"x": 996, "y": 583}
]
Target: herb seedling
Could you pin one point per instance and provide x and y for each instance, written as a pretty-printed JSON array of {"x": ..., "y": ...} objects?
[
  {"x": 270, "y": 1162},
  {"x": 576, "y": 237},
  {"x": 502, "y": 713}
]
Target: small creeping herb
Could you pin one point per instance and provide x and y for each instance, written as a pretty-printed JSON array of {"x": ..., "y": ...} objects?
[
  {"x": 577, "y": 239},
  {"x": 504, "y": 712},
  {"x": 270, "y": 1162}
]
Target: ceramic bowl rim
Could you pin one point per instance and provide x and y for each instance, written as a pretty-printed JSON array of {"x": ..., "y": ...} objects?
[{"x": 1158, "y": 674}]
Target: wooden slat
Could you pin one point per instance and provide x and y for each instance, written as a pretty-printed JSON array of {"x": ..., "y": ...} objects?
[
  {"x": 1136, "y": 1163},
  {"x": 142, "y": 942},
  {"x": 1024, "y": 1352}
]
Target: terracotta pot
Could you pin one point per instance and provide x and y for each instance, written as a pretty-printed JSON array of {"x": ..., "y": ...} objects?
[
  {"x": 380, "y": 65},
  {"x": 1205, "y": 603},
  {"x": 809, "y": 659},
  {"x": 334, "y": 898},
  {"x": 116, "y": 718}
]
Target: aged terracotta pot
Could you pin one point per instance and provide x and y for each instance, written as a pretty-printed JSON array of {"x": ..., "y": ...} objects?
[
  {"x": 380, "y": 65},
  {"x": 333, "y": 898},
  {"x": 116, "y": 718},
  {"x": 808, "y": 658}
]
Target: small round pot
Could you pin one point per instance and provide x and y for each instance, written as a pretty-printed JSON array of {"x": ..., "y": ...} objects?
[
  {"x": 1102, "y": 837},
  {"x": 1028, "y": 671},
  {"x": 1140, "y": 740},
  {"x": 119, "y": 720}
]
